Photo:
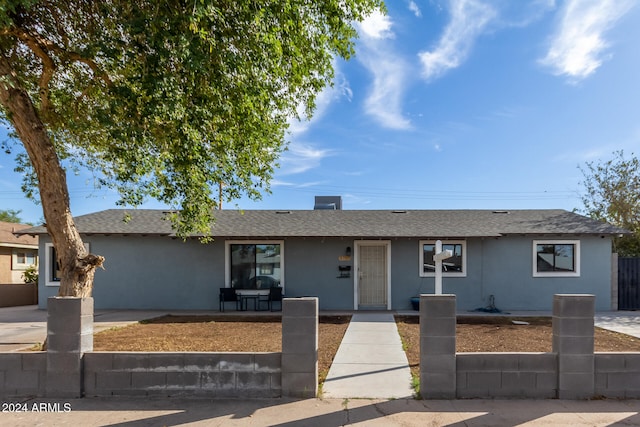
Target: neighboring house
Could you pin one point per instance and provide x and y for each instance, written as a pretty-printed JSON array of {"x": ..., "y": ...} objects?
[
  {"x": 17, "y": 253},
  {"x": 350, "y": 259}
]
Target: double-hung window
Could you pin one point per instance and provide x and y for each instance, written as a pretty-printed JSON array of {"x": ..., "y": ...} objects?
[
  {"x": 22, "y": 259},
  {"x": 255, "y": 265},
  {"x": 456, "y": 266},
  {"x": 556, "y": 258}
]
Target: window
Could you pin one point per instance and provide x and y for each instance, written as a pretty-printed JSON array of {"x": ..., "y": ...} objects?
[
  {"x": 52, "y": 266},
  {"x": 556, "y": 258},
  {"x": 53, "y": 272},
  {"x": 23, "y": 258},
  {"x": 456, "y": 266},
  {"x": 254, "y": 265}
]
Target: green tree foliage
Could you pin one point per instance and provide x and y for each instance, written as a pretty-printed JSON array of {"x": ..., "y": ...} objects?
[
  {"x": 163, "y": 99},
  {"x": 612, "y": 194},
  {"x": 10, "y": 215}
]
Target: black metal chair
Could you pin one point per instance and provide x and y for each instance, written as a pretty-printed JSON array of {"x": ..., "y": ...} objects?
[
  {"x": 275, "y": 295},
  {"x": 228, "y": 295}
]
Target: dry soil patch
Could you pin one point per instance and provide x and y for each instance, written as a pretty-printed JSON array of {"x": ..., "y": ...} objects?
[
  {"x": 219, "y": 334},
  {"x": 264, "y": 334},
  {"x": 499, "y": 334}
]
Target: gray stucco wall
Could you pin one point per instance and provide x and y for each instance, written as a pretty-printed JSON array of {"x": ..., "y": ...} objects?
[
  {"x": 311, "y": 269},
  {"x": 507, "y": 273},
  {"x": 503, "y": 267},
  {"x": 153, "y": 273},
  {"x": 165, "y": 273}
]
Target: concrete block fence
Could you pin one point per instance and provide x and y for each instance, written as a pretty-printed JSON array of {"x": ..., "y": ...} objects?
[
  {"x": 23, "y": 374},
  {"x": 179, "y": 374},
  {"x": 70, "y": 368},
  {"x": 571, "y": 371}
]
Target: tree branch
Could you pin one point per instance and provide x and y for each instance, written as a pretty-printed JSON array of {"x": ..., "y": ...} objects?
[
  {"x": 48, "y": 66},
  {"x": 41, "y": 47}
]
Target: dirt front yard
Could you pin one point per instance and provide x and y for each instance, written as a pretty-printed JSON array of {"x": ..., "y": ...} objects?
[
  {"x": 499, "y": 334},
  {"x": 264, "y": 334},
  {"x": 218, "y": 334}
]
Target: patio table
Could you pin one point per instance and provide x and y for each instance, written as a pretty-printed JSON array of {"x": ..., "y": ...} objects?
[{"x": 246, "y": 297}]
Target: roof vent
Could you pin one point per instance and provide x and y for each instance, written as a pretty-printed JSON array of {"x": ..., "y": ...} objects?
[
  {"x": 283, "y": 212},
  {"x": 399, "y": 212},
  {"x": 500, "y": 212},
  {"x": 332, "y": 203}
]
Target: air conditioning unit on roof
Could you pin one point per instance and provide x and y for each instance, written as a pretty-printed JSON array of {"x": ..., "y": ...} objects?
[{"x": 333, "y": 203}]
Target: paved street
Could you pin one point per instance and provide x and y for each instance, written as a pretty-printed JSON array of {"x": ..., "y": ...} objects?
[{"x": 327, "y": 413}]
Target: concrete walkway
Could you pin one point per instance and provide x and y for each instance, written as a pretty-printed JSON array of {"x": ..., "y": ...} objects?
[
  {"x": 625, "y": 322},
  {"x": 370, "y": 362}
]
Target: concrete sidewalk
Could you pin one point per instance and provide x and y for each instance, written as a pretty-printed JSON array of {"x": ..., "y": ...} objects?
[
  {"x": 138, "y": 412},
  {"x": 25, "y": 326},
  {"x": 625, "y": 322},
  {"x": 370, "y": 362}
]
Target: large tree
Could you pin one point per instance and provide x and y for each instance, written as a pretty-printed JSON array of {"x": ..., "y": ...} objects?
[
  {"x": 612, "y": 194},
  {"x": 161, "y": 98}
]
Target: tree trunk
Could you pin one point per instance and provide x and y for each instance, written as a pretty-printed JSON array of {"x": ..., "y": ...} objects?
[{"x": 76, "y": 265}]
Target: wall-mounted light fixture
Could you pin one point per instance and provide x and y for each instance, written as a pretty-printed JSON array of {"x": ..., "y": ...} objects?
[{"x": 348, "y": 251}]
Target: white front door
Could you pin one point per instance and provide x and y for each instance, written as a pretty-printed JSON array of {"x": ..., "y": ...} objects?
[{"x": 373, "y": 275}]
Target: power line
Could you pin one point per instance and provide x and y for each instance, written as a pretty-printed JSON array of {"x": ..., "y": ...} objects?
[{"x": 399, "y": 193}]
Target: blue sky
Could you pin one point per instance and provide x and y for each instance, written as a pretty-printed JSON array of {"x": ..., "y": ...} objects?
[{"x": 453, "y": 104}]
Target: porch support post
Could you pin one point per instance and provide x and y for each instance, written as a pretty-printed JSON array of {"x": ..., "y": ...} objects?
[
  {"x": 438, "y": 346},
  {"x": 300, "y": 347},
  {"x": 573, "y": 341},
  {"x": 69, "y": 336}
]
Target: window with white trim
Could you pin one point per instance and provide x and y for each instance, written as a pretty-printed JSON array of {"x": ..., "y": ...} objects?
[
  {"x": 52, "y": 266},
  {"x": 556, "y": 258},
  {"x": 456, "y": 266},
  {"x": 21, "y": 259},
  {"x": 254, "y": 265}
]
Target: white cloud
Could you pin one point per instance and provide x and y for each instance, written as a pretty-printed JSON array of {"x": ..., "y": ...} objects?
[
  {"x": 376, "y": 26},
  {"x": 385, "y": 99},
  {"x": 413, "y": 7},
  {"x": 389, "y": 71},
  {"x": 468, "y": 20},
  {"x": 578, "y": 46},
  {"x": 301, "y": 157}
]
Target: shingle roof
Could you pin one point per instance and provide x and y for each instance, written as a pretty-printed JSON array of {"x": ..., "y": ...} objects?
[
  {"x": 8, "y": 238},
  {"x": 351, "y": 223}
]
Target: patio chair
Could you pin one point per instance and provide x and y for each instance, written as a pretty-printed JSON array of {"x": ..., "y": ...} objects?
[
  {"x": 275, "y": 295},
  {"x": 228, "y": 295}
]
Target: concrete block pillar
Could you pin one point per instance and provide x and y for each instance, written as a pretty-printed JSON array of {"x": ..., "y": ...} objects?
[
  {"x": 573, "y": 341},
  {"x": 300, "y": 347},
  {"x": 438, "y": 346},
  {"x": 69, "y": 336}
]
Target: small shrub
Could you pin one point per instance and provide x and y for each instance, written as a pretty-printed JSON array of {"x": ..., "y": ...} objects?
[{"x": 30, "y": 275}]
